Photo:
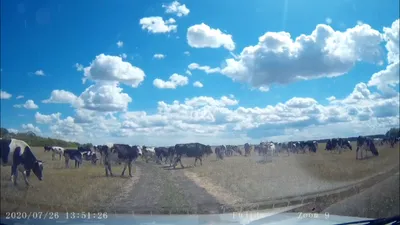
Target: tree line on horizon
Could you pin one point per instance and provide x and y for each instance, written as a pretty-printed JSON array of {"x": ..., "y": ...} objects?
[{"x": 34, "y": 140}]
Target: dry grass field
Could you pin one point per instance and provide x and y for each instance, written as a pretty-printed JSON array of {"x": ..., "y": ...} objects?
[
  {"x": 296, "y": 174},
  {"x": 232, "y": 180},
  {"x": 74, "y": 189}
]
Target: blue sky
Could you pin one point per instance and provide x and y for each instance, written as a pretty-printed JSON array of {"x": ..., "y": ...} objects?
[{"x": 164, "y": 72}]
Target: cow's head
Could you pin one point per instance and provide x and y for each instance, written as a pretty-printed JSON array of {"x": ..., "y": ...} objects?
[{"x": 38, "y": 169}]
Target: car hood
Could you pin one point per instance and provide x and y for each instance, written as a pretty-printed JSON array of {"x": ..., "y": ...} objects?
[{"x": 271, "y": 216}]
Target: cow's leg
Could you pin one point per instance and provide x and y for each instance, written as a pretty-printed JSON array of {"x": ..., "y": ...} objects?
[
  {"x": 357, "y": 152},
  {"x": 201, "y": 161},
  {"x": 123, "y": 171},
  {"x": 176, "y": 162},
  {"x": 53, "y": 155},
  {"x": 14, "y": 174},
  {"x": 66, "y": 162},
  {"x": 60, "y": 156},
  {"x": 195, "y": 160},
  {"x": 106, "y": 169},
  {"x": 25, "y": 177},
  {"x": 130, "y": 168}
]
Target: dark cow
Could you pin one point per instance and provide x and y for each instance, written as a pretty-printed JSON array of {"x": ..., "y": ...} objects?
[
  {"x": 19, "y": 155},
  {"x": 312, "y": 147},
  {"x": 72, "y": 154},
  {"x": 366, "y": 144},
  {"x": 247, "y": 149},
  {"x": 220, "y": 152},
  {"x": 195, "y": 150},
  {"x": 124, "y": 153},
  {"x": 161, "y": 152},
  {"x": 333, "y": 145},
  {"x": 47, "y": 148}
]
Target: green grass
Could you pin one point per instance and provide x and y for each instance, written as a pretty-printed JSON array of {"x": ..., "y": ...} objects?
[{"x": 84, "y": 189}]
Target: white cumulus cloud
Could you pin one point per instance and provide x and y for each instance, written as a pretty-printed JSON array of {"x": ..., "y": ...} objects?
[
  {"x": 29, "y": 104},
  {"x": 5, "y": 95},
  {"x": 61, "y": 97},
  {"x": 30, "y": 127},
  {"x": 113, "y": 69},
  {"x": 203, "y": 36},
  {"x": 39, "y": 73},
  {"x": 207, "y": 69},
  {"x": 120, "y": 44},
  {"x": 176, "y": 8},
  {"x": 279, "y": 59},
  {"x": 174, "y": 81},
  {"x": 158, "y": 56},
  {"x": 198, "y": 84},
  {"x": 156, "y": 24}
]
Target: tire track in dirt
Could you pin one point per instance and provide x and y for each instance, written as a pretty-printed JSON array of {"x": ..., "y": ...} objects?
[
  {"x": 154, "y": 192},
  {"x": 221, "y": 194}
]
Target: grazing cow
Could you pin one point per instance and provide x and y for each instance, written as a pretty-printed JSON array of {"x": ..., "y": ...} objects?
[
  {"x": 56, "y": 150},
  {"x": 366, "y": 144},
  {"x": 312, "y": 147},
  {"x": 247, "y": 149},
  {"x": 195, "y": 150},
  {"x": 124, "y": 153},
  {"x": 47, "y": 148},
  {"x": 333, "y": 145},
  {"x": 19, "y": 155},
  {"x": 346, "y": 144}
]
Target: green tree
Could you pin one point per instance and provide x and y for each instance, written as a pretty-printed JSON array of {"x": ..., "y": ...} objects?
[
  {"x": 3, "y": 132},
  {"x": 393, "y": 132}
]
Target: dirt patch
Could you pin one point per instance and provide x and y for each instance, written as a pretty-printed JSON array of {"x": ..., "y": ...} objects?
[{"x": 222, "y": 195}]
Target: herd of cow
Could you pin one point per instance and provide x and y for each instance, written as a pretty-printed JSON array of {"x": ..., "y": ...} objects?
[{"x": 19, "y": 155}]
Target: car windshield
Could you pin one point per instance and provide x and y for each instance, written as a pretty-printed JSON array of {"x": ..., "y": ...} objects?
[{"x": 246, "y": 108}]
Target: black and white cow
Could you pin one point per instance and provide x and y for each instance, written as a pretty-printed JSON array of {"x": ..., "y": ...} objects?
[
  {"x": 315, "y": 144},
  {"x": 56, "y": 150},
  {"x": 366, "y": 144},
  {"x": 195, "y": 150},
  {"x": 88, "y": 154},
  {"x": 19, "y": 155},
  {"x": 344, "y": 143},
  {"x": 124, "y": 153}
]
